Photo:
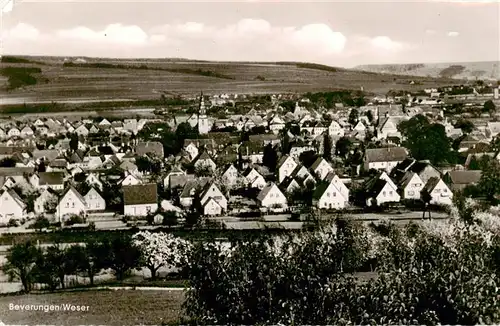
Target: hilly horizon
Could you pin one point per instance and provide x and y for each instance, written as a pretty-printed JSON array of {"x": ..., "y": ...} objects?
[
  {"x": 43, "y": 78},
  {"x": 487, "y": 70}
]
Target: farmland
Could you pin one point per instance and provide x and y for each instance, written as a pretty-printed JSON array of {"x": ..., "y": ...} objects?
[
  {"x": 141, "y": 79},
  {"x": 121, "y": 307}
]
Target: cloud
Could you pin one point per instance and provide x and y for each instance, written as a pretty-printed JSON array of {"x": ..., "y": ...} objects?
[
  {"x": 319, "y": 37},
  {"x": 385, "y": 43},
  {"x": 430, "y": 31},
  {"x": 22, "y": 32},
  {"x": 114, "y": 33},
  {"x": 453, "y": 34}
]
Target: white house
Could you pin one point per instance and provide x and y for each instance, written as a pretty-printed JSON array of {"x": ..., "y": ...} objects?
[
  {"x": 174, "y": 172},
  {"x": 192, "y": 150},
  {"x": 255, "y": 179},
  {"x": 321, "y": 168},
  {"x": 44, "y": 180},
  {"x": 93, "y": 180},
  {"x": 212, "y": 208},
  {"x": 230, "y": 176},
  {"x": 329, "y": 196},
  {"x": 384, "y": 158},
  {"x": 439, "y": 191},
  {"x": 140, "y": 200},
  {"x": 11, "y": 206},
  {"x": 212, "y": 191},
  {"x": 13, "y": 132},
  {"x": 276, "y": 124},
  {"x": 130, "y": 180},
  {"x": 411, "y": 185},
  {"x": 286, "y": 165},
  {"x": 272, "y": 197},
  {"x": 94, "y": 200},
  {"x": 335, "y": 129},
  {"x": 204, "y": 161},
  {"x": 381, "y": 192},
  {"x": 71, "y": 202}
]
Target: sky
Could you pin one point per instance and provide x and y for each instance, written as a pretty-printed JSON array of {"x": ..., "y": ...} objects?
[{"x": 336, "y": 33}]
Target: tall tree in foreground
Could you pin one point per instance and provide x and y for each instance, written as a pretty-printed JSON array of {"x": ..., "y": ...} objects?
[
  {"x": 21, "y": 259},
  {"x": 270, "y": 157},
  {"x": 327, "y": 146}
]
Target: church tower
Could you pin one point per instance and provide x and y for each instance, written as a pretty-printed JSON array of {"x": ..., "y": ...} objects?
[{"x": 203, "y": 126}]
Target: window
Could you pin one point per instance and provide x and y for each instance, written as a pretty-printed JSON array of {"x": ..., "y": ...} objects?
[
  {"x": 383, "y": 193},
  {"x": 445, "y": 190},
  {"x": 67, "y": 205},
  {"x": 73, "y": 205},
  {"x": 390, "y": 192},
  {"x": 411, "y": 193},
  {"x": 327, "y": 194},
  {"x": 334, "y": 194}
]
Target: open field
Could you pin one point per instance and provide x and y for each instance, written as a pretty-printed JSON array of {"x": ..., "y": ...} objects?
[
  {"x": 459, "y": 70},
  {"x": 148, "y": 79},
  {"x": 120, "y": 307}
]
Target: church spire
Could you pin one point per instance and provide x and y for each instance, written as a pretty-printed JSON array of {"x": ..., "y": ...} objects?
[{"x": 201, "y": 110}]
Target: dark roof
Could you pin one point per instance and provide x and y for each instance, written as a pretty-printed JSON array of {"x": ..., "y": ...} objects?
[
  {"x": 140, "y": 194},
  {"x": 15, "y": 171},
  {"x": 376, "y": 187},
  {"x": 320, "y": 189},
  {"x": 431, "y": 184},
  {"x": 152, "y": 147},
  {"x": 51, "y": 178},
  {"x": 465, "y": 177},
  {"x": 389, "y": 154}
]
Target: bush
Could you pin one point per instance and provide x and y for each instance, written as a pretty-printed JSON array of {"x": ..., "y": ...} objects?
[
  {"x": 441, "y": 272},
  {"x": 13, "y": 222},
  {"x": 41, "y": 222},
  {"x": 74, "y": 219}
]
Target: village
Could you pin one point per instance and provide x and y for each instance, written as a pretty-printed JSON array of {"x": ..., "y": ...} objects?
[{"x": 285, "y": 156}]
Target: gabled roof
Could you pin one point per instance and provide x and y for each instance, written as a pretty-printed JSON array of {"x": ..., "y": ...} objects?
[
  {"x": 73, "y": 190},
  {"x": 140, "y": 194},
  {"x": 389, "y": 154},
  {"x": 152, "y": 147},
  {"x": 16, "y": 198},
  {"x": 465, "y": 177},
  {"x": 431, "y": 184},
  {"x": 263, "y": 193},
  {"x": 51, "y": 178},
  {"x": 93, "y": 190},
  {"x": 316, "y": 163},
  {"x": 283, "y": 160},
  {"x": 320, "y": 190}
]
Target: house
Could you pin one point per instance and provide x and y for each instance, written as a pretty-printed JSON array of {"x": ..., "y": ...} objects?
[
  {"x": 192, "y": 150},
  {"x": 82, "y": 131},
  {"x": 424, "y": 169},
  {"x": 188, "y": 192},
  {"x": 130, "y": 180},
  {"x": 271, "y": 197},
  {"x": 93, "y": 180},
  {"x": 212, "y": 208},
  {"x": 384, "y": 158},
  {"x": 212, "y": 191},
  {"x": 380, "y": 192},
  {"x": 290, "y": 185},
  {"x": 129, "y": 167},
  {"x": 150, "y": 148},
  {"x": 204, "y": 161},
  {"x": 176, "y": 171},
  {"x": 252, "y": 151},
  {"x": 27, "y": 132},
  {"x": 411, "y": 185},
  {"x": 439, "y": 191},
  {"x": 11, "y": 206},
  {"x": 276, "y": 124},
  {"x": 140, "y": 200},
  {"x": 387, "y": 127},
  {"x": 47, "y": 197},
  {"x": 14, "y": 132},
  {"x": 458, "y": 180},
  {"x": 255, "y": 179},
  {"x": 286, "y": 166},
  {"x": 70, "y": 203},
  {"x": 44, "y": 180},
  {"x": 94, "y": 200},
  {"x": 327, "y": 195},
  {"x": 321, "y": 168},
  {"x": 230, "y": 176},
  {"x": 335, "y": 129},
  {"x": 301, "y": 173}
]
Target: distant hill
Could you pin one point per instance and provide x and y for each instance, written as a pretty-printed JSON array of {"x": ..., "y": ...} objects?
[
  {"x": 487, "y": 70},
  {"x": 81, "y": 78}
]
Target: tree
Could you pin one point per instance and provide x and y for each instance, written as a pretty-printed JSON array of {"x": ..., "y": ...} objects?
[
  {"x": 489, "y": 107},
  {"x": 353, "y": 117},
  {"x": 285, "y": 143},
  {"x": 343, "y": 146},
  {"x": 157, "y": 250},
  {"x": 369, "y": 115},
  {"x": 307, "y": 158},
  {"x": 92, "y": 258},
  {"x": 21, "y": 261},
  {"x": 426, "y": 199},
  {"x": 41, "y": 222},
  {"x": 73, "y": 142},
  {"x": 426, "y": 141},
  {"x": 41, "y": 166},
  {"x": 327, "y": 146},
  {"x": 466, "y": 125},
  {"x": 123, "y": 256},
  {"x": 489, "y": 184},
  {"x": 8, "y": 162},
  {"x": 270, "y": 157},
  {"x": 55, "y": 264}
]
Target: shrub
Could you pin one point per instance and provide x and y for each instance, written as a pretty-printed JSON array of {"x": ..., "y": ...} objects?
[
  {"x": 13, "y": 222},
  {"x": 74, "y": 219}
]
